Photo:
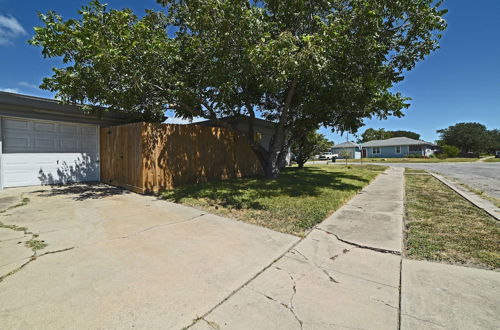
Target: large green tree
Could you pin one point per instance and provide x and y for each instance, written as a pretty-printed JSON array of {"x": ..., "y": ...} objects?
[
  {"x": 374, "y": 134},
  {"x": 333, "y": 62},
  {"x": 381, "y": 134},
  {"x": 469, "y": 137},
  {"x": 408, "y": 134},
  {"x": 494, "y": 141}
]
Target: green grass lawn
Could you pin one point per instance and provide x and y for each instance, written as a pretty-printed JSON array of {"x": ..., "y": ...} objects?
[
  {"x": 442, "y": 226},
  {"x": 492, "y": 160},
  {"x": 412, "y": 160},
  {"x": 293, "y": 203}
]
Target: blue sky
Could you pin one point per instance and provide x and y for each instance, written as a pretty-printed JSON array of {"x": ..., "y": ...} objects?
[{"x": 460, "y": 82}]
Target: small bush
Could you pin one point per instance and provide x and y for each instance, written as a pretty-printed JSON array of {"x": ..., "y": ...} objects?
[
  {"x": 449, "y": 151},
  {"x": 413, "y": 156}
]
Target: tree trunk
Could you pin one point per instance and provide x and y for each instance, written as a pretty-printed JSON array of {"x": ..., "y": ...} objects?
[{"x": 270, "y": 168}]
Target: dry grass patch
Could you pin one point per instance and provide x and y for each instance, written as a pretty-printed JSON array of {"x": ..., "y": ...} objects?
[
  {"x": 442, "y": 226},
  {"x": 293, "y": 203}
]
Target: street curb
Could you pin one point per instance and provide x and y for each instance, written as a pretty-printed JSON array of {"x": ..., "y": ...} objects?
[{"x": 484, "y": 205}]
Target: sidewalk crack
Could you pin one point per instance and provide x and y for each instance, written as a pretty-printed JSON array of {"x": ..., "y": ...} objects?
[
  {"x": 290, "y": 308},
  {"x": 359, "y": 245},
  {"x": 423, "y": 320},
  {"x": 312, "y": 263}
]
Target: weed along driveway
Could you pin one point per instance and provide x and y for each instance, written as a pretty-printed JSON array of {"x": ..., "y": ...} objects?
[{"x": 98, "y": 257}]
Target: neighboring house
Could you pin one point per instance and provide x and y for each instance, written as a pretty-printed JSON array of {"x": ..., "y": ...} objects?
[
  {"x": 263, "y": 129},
  {"x": 45, "y": 142},
  {"x": 353, "y": 150},
  {"x": 398, "y": 147}
]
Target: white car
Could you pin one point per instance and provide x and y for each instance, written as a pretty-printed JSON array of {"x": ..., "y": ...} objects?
[{"x": 328, "y": 156}]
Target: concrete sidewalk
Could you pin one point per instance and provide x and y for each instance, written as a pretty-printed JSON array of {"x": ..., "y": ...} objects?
[
  {"x": 344, "y": 274},
  {"x": 440, "y": 296},
  {"x": 348, "y": 273}
]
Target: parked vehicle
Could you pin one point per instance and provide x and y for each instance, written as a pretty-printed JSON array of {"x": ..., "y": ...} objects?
[
  {"x": 328, "y": 156},
  {"x": 497, "y": 154}
]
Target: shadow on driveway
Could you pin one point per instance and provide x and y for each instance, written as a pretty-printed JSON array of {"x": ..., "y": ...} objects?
[{"x": 81, "y": 192}]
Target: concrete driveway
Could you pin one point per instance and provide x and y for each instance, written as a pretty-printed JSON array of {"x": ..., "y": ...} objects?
[{"x": 120, "y": 260}]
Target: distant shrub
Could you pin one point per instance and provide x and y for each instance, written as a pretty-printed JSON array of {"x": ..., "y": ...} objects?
[
  {"x": 449, "y": 151},
  {"x": 413, "y": 156}
]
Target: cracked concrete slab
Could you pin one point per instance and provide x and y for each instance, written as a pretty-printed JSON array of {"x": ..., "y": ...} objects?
[
  {"x": 325, "y": 281},
  {"x": 320, "y": 284},
  {"x": 131, "y": 261},
  {"x": 262, "y": 312},
  {"x": 373, "y": 217},
  {"x": 117, "y": 215},
  {"x": 7, "y": 234},
  {"x": 8, "y": 201},
  {"x": 13, "y": 253},
  {"x": 440, "y": 296}
]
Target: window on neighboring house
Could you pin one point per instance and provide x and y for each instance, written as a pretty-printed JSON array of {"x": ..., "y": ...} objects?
[
  {"x": 415, "y": 148},
  {"x": 398, "y": 149},
  {"x": 376, "y": 150}
]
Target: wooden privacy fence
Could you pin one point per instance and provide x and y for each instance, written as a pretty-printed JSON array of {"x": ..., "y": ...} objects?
[{"x": 146, "y": 157}]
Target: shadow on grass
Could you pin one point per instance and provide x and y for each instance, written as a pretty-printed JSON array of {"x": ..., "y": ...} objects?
[{"x": 246, "y": 193}]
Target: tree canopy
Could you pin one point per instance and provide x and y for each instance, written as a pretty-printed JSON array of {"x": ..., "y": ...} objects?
[
  {"x": 330, "y": 63},
  {"x": 408, "y": 134},
  {"x": 470, "y": 137},
  {"x": 381, "y": 134}
]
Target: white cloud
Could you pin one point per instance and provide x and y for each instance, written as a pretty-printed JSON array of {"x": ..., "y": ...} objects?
[
  {"x": 9, "y": 90},
  {"x": 174, "y": 120},
  {"x": 27, "y": 84},
  {"x": 10, "y": 28}
]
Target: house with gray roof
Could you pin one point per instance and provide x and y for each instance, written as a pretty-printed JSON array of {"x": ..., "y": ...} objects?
[
  {"x": 347, "y": 148},
  {"x": 397, "y": 147}
]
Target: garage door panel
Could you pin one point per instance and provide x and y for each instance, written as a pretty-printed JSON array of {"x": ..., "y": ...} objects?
[
  {"x": 41, "y": 152},
  {"x": 45, "y": 143},
  {"x": 86, "y": 130},
  {"x": 89, "y": 145},
  {"x": 44, "y": 127},
  {"x": 69, "y": 144},
  {"x": 45, "y": 168},
  {"x": 68, "y": 129},
  {"x": 17, "y": 124},
  {"x": 16, "y": 143},
  {"x": 39, "y": 137}
]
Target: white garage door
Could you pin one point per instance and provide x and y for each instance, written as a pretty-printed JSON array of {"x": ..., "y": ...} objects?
[{"x": 46, "y": 152}]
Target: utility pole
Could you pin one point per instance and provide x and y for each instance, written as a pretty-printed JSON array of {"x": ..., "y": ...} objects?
[{"x": 360, "y": 149}]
